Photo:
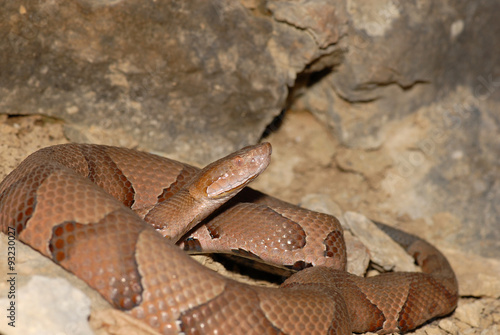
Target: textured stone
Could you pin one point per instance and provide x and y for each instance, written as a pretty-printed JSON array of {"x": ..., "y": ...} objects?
[
  {"x": 325, "y": 20},
  {"x": 398, "y": 94},
  {"x": 478, "y": 276},
  {"x": 391, "y": 65},
  {"x": 53, "y": 306},
  {"x": 198, "y": 79},
  {"x": 321, "y": 203},
  {"x": 470, "y": 313},
  {"x": 358, "y": 255},
  {"x": 383, "y": 250},
  {"x": 448, "y": 326},
  {"x": 145, "y": 72},
  {"x": 372, "y": 165}
]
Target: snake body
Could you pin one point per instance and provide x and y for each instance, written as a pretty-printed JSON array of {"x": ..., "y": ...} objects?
[{"x": 112, "y": 216}]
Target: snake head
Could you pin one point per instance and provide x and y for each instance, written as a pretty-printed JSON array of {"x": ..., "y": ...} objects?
[{"x": 225, "y": 177}]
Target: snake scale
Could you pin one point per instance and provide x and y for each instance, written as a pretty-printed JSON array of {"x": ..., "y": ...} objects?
[{"x": 119, "y": 218}]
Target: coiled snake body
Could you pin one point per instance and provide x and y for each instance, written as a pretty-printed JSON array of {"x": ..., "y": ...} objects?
[{"x": 86, "y": 208}]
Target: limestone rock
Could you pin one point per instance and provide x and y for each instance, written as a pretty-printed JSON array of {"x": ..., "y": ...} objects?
[
  {"x": 383, "y": 250},
  {"x": 53, "y": 306},
  {"x": 419, "y": 85},
  {"x": 199, "y": 79},
  {"x": 393, "y": 64},
  {"x": 478, "y": 276},
  {"x": 358, "y": 255}
]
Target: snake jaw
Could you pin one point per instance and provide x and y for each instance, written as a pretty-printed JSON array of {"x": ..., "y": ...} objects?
[
  {"x": 227, "y": 184},
  {"x": 229, "y": 175}
]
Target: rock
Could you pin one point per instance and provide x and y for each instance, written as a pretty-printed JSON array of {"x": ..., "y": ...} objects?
[
  {"x": 372, "y": 165},
  {"x": 431, "y": 330},
  {"x": 470, "y": 313},
  {"x": 325, "y": 20},
  {"x": 96, "y": 70},
  {"x": 448, "y": 326},
  {"x": 53, "y": 306},
  {"x": 474, "y": 316},
  {"x": 388, "y": 74},
  {"x": 383, "y": 250},
  {"x": 321, "y": 203},
  {"x": 58, "y": 301},
  {"x": 478, "y": 276},
  {"x": 207, "y": 79},
  {"x": 358, "y": 255},
  {"x": 398, "y": 96},
  {"x": 22, "y": 136}
]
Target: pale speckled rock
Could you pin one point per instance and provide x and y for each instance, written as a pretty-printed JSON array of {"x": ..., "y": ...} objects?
[
  {"x": 493, "y": 330},
  {"x": 321, "y": 203},
  {"x": 470, "y": 312},
  {"x": 358, "y": 255},
  {"x": 478, "y": 276},
  {"x": 449, "y": 326},
  {"x": 383, "y": 250},
  {"x": 431, "y": 330},
  {"x": 49, "y": 306}
]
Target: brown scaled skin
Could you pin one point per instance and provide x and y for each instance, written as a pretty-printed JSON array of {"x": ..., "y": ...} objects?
[
  {"x": 84, "y": 206},
  {"x": 208, "y": 190}
]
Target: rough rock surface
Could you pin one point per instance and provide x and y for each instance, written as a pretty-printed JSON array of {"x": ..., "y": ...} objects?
[
  {"x": 382, "y": 249},
  {"x": 420, "y": 81},
  {"x": 403, "y": 55},
  {"x": 49, "y": 310},
  {"x": 199, "y": 74}
]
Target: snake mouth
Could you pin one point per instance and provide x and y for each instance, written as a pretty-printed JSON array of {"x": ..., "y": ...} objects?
[
  {"x": 215, "y": 191},
  {"x": 237, "y": 170}
]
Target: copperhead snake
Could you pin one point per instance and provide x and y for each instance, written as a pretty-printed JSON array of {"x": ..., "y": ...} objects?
[{"x": 86, "y": 208}]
